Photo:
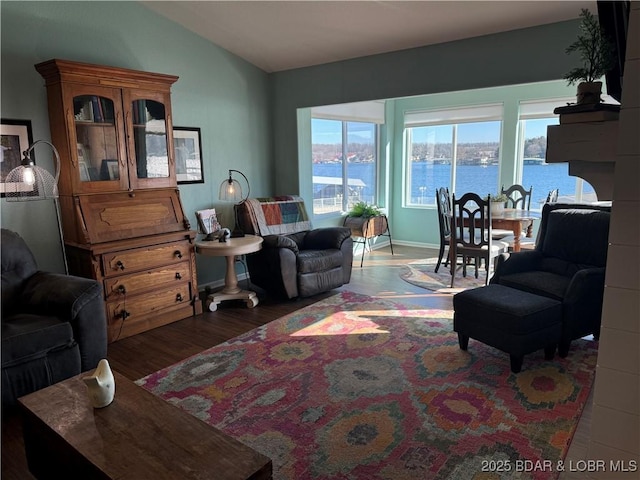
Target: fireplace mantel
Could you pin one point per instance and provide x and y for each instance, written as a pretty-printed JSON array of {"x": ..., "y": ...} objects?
[{"x": 590, "y": 148}]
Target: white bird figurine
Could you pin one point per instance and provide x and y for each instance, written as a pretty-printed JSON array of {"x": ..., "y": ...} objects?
[{"x": 101, "y": 385}]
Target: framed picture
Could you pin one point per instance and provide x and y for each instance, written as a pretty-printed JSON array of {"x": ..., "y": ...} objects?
[
  {"x": 84, "y": 172},
  {"x": 109, "y": 169},
  {"x": 82, "y": 157},
  {"x": 15, "y": 138},
  {"x": 188, "y": 152}
]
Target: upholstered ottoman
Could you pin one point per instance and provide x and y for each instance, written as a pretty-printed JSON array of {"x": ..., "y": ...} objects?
[{"x": 511, "y": 320}]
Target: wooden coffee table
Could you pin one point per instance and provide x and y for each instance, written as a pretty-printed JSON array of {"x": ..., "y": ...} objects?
[{"x": 138, "y": 436}]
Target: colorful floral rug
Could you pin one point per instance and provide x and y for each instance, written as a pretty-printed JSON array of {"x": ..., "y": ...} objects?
[
  {"x": 355, "y": 387},
  {"x": 421, "y": 274}
]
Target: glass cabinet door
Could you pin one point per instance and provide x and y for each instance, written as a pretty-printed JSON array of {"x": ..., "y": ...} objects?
[
  {"x": 150, "y": 142},
  {"x": 97, "y": 148}
]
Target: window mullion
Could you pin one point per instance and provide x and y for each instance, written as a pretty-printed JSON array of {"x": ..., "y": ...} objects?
[
  {"x": 454, "y": 156},
  {"x": 345, "y": 177}
]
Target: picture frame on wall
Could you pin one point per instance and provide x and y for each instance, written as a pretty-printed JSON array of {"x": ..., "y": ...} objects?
[
  {"x": 187, "y": 147},
  {"x": 15, "y": 138}
]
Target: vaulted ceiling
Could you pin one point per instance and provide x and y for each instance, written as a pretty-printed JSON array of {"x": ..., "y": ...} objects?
[{"x": 281, "y": 35}]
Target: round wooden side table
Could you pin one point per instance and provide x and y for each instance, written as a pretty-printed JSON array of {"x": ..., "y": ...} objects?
[{"x": 229, "y": 249}]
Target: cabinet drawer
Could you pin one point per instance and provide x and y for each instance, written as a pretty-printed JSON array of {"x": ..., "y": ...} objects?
[
  {"x": 156, "y": 301},
  {"x": 135, "y": 283},
  {"x": 117, "y": 263}
]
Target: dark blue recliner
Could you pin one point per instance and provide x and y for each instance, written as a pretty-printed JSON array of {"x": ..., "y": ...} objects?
[{"x": 568, "y": 265}]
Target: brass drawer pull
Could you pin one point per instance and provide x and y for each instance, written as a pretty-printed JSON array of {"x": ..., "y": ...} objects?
[
  {"x": 121, "y": 289},
  {"x": 123, "y": 314},
  {"x": 179, "y": 297},
  {"x": 120, "y": 265},
  {"x": 178, "y": 253},
  {"x": 178, "y": 276}
]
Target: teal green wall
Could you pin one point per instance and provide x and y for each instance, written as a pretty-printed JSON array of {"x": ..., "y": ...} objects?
[
  {"x": 222, "y": 94},
  {"x": 521, "y": 56}
]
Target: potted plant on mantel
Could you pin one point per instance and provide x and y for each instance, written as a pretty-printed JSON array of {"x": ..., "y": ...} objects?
[
  {"x": 365, "y": 220},
  {"x": 597, "y": 56}
]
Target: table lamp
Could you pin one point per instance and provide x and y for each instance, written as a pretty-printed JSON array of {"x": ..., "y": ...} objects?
[{"x": 231, "y": 191}]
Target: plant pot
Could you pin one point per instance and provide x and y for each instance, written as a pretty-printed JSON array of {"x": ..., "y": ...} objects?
[
  {"x": 366, "y": 227},
  {"x": 589, "y": 93},
  {"x": 497, "y": 208}
]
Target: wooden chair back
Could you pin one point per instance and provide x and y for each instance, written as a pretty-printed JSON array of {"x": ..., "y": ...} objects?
[
  {"x": 518, "y": 197},
  {"x": 471, "y": 222},
  {"x": 443, "y": 201},
  {"x": 471, "y": 234}
]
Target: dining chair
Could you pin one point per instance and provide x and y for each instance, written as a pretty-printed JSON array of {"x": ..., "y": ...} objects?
[
  {"x": 443, "y": 201},
  {"x": 471, "y": 235},
  {"x": 552, "y": 196},
  {"x": 518, "y": 197}
]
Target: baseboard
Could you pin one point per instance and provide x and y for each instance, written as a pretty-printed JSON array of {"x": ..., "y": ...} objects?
[{"x": 406, "y": 243}]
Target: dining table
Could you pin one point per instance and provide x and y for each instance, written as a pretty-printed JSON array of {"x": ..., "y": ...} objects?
[{"x": 515, "y": 220}]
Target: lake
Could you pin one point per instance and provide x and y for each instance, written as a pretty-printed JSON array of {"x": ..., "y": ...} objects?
[{"x": 425, "y": 178}]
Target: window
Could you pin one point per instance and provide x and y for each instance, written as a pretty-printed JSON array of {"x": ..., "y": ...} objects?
[
  {"x": 456, "y": 148},
  {"x": 535, "y": 117},
  {"x": 343, "y": 153}
]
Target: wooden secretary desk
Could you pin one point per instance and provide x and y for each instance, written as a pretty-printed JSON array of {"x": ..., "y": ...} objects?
[{"x": 122, "y": 216}]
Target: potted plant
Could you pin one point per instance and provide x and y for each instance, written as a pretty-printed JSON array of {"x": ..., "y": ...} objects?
[
  {"x": 497, "y": 203},
  {"x": 597, "y": 56},
  {"x": 363, "y": 209},
  {"x": 365, "y": 220}
]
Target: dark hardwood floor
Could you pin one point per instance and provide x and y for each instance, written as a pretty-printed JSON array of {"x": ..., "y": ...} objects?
[{"x": 142, "y": 354}]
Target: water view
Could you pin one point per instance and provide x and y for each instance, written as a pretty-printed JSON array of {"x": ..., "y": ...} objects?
[{"x": 427, "y": 176}]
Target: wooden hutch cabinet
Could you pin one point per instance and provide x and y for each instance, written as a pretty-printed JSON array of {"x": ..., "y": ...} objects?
[{"x": 122, "y": 216}]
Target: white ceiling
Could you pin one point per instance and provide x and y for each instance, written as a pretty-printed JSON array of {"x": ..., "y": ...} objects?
[{"x": 281, "y": 35}]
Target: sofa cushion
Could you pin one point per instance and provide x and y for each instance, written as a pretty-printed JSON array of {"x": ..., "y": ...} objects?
[
  {"x": 547, "y": 284},
  {"x": 26, "y": 336},
  {"x": 310, "y": 261}
]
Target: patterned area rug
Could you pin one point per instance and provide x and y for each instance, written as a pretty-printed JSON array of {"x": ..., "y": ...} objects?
[
  {"x": 421, "y": 274},
  {"x": 354, "y": 387}
]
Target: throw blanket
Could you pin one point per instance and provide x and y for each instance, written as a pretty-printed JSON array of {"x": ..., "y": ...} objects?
[{"x": 276, "y": 215}]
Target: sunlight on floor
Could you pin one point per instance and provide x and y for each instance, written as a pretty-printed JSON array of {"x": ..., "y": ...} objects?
[{"x": 359, "y": 322}]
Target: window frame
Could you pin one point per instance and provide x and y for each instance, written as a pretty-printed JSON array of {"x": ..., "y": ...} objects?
[
  {"x": 345, "y": 165},
  {"x": 446, "y": 116}
]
